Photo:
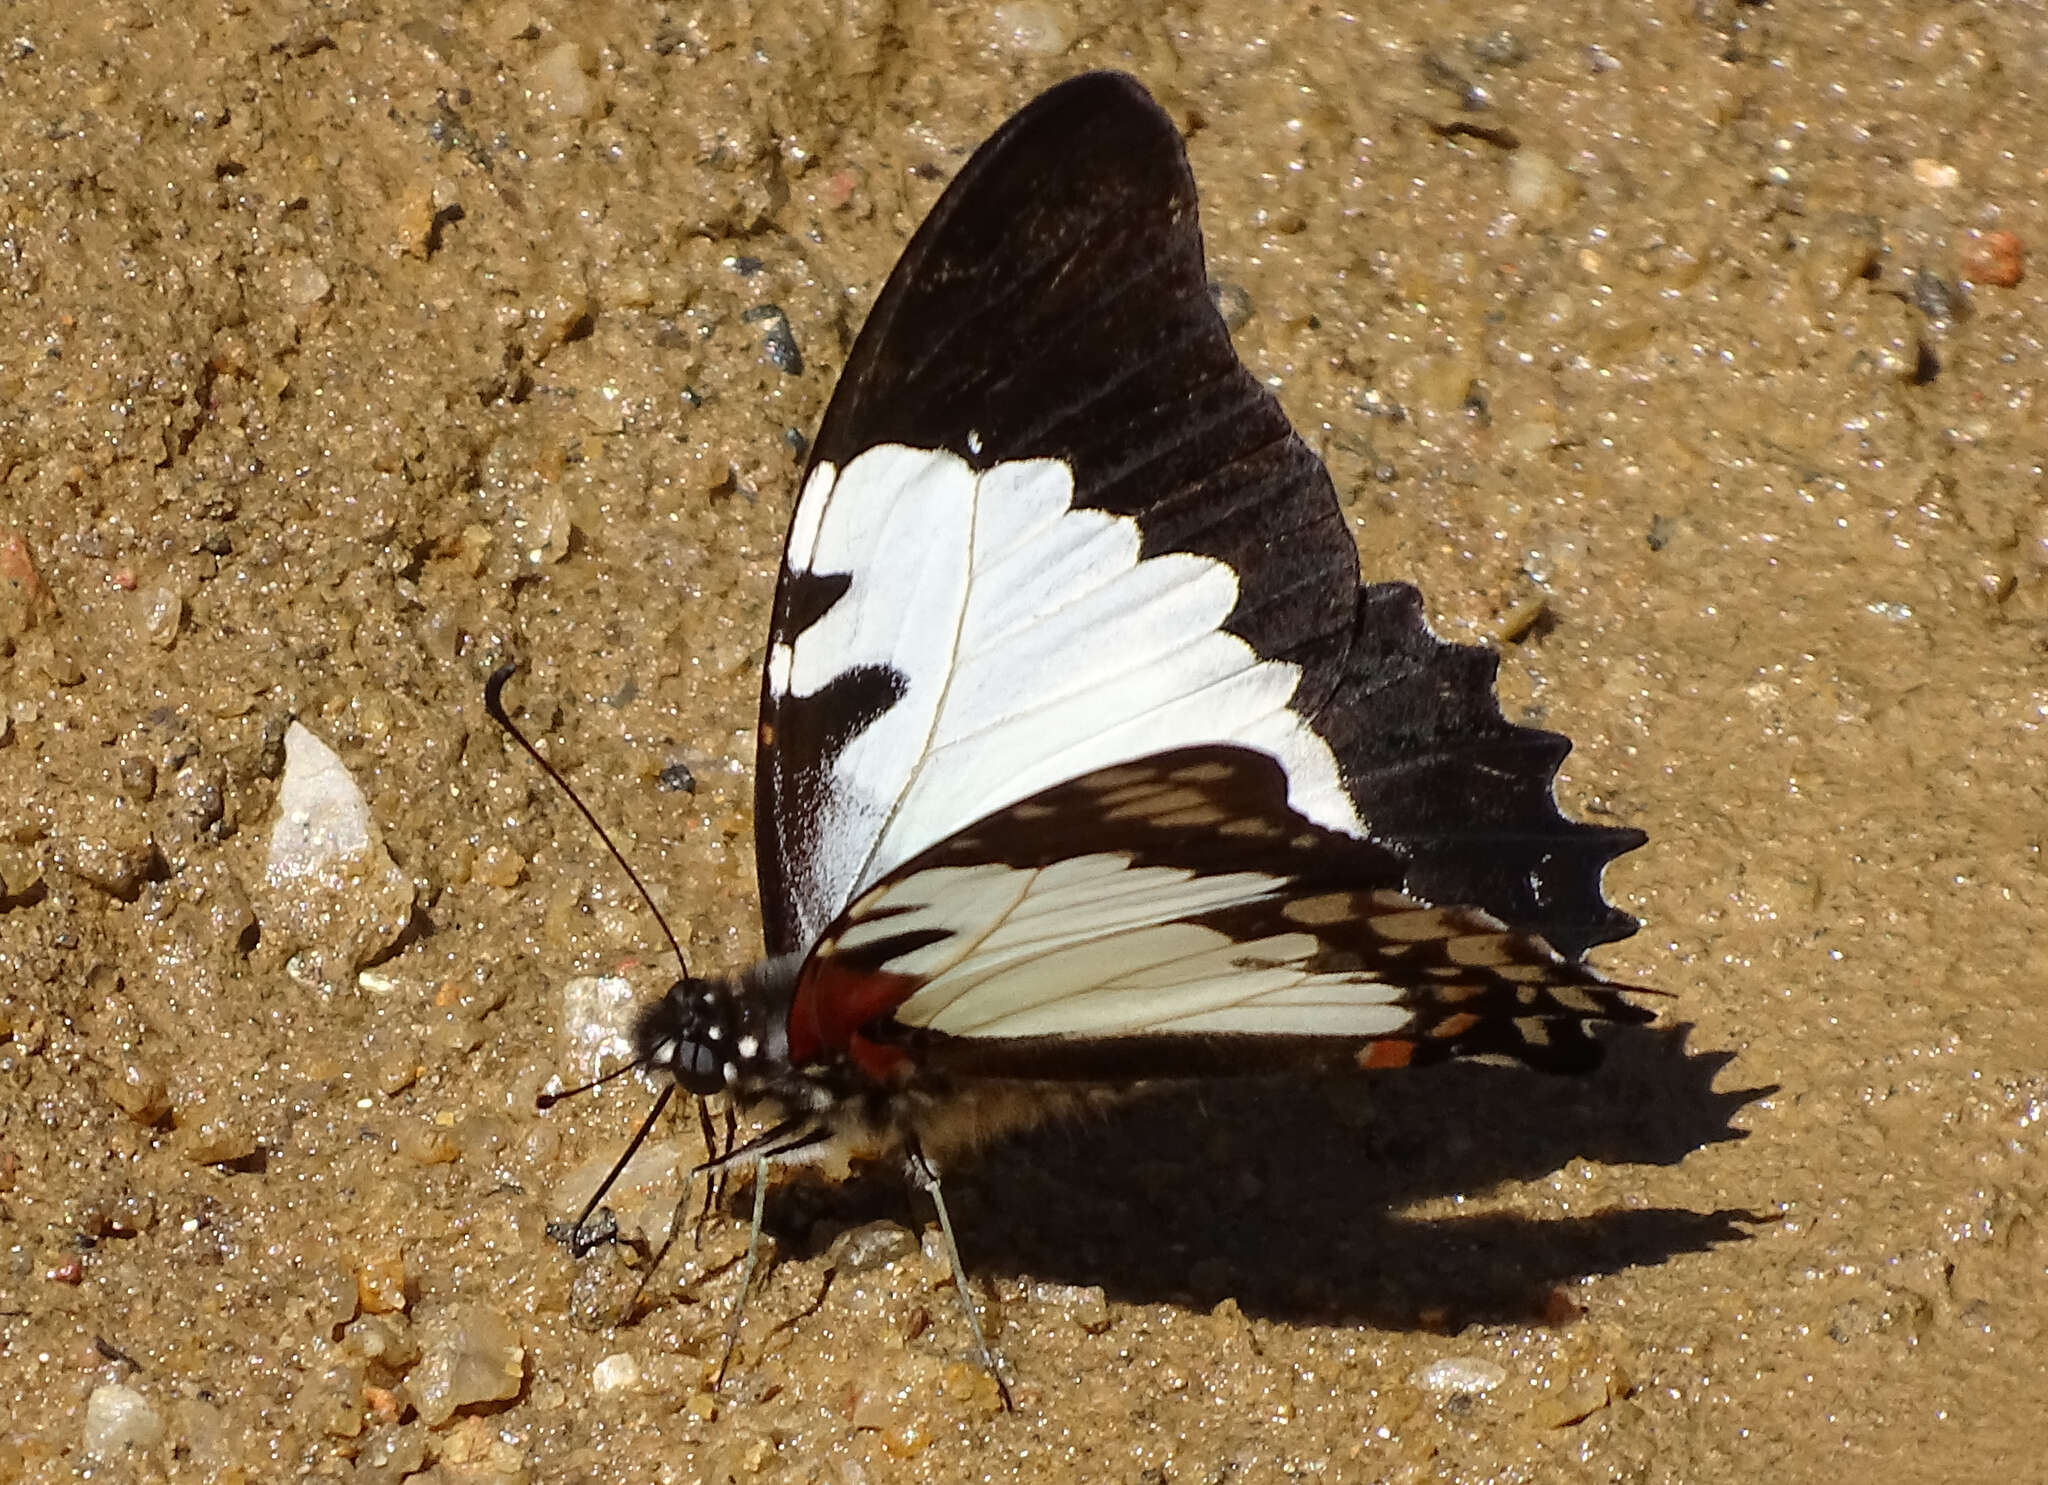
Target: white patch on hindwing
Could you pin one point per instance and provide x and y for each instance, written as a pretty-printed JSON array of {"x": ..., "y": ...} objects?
[
  {"x": 1033, "y": 644},
  {"x": 1097, "y": 946}
]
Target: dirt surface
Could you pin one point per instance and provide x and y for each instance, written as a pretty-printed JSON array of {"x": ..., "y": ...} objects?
[{"x": 348, "y": 351}]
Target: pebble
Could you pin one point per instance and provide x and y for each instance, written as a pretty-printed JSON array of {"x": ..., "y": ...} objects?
[
  {"x": 381, "y": 1281},
  {"x": 563, "y": 80},
  {"x": 24, "y": 601},
  {"x": 331, "y": 890},
  {"x": 108, "y": 847},
  {"x": 1084, "y": 1304},
  {"x": 778, "y": 340},
  {"x": 618, "y": 1372},
  {"x": 1996, "y": 258},
  {"x": 388, "y": 1454},
  {"x": 323, "y": 820},
  {"x": 469, "y": 1354},
  {"x": 1936, "y": 175},
  {"x": 641, "y": 1200},
  {"x": 1034, "y": 27},
  {"x": 139, "y": 1091},
  {"x": 1461, "y": 1374},
  {"x": 1233, "y": 303},
  {"x": 304, "y": 283},
  {"x": 1538, "y": 186},
  {"x": 871, "y": 1245},
  {"x": 597, "y": 1024},
  {"x": 161, "y": 612},
  {"x": 118, "y": 1419}
]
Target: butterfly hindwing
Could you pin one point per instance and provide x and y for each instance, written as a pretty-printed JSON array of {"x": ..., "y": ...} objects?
[{"x": 1131, "y": 919}]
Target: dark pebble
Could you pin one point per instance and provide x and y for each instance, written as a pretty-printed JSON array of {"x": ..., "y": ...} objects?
[
  {"x": 778, "y": 341},
  {"x": 1233, "y": 303}
]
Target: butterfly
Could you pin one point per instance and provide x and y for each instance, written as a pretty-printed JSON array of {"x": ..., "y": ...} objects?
[{"x": 1085, "y": 758}]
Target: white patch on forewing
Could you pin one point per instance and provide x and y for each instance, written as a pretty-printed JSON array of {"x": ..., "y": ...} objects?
[
  {"x": 779, "y": 661},
  {"x": 1097, "y": 947},
  {"x": 1034, "y": 646}
]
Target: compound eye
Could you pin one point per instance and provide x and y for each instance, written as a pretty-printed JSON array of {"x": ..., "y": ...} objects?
[{"x": 698, "y": 1069}]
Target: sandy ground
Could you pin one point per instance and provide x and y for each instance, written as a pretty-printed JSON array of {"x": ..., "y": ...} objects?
[{"x": 348, "y": 350}]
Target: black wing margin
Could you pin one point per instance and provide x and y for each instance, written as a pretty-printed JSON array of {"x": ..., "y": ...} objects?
[{"x": 1055, "y": 304}]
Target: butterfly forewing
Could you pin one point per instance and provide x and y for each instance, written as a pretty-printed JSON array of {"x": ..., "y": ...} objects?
[
  {"x": 1051, "y": 525},
  {"x": 1177, "y": 899}
]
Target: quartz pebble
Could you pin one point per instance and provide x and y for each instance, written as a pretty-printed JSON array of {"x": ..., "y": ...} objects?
[
  {"x": 871, "y": 1245},
  {"x": 1461, "y": 1374},
  {"x": 118, "y": 1419},
  {"x": 331, "y": 890},
  {"x": 562, "y": 80},
  {"x": 1538, "y": 186},
  {"x": 468, "y": 1355},
  {"x": 1084, "y": 1304},
  {"x": 597, "y": 1024},
  {"x": 1037, "y": 28},
  {"x": 323, "y": 821},
  {"x": 618, "y": 1372}
]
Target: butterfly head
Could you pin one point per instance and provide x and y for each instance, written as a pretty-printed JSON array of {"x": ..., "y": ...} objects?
[{"x": 712, "y": 1035}]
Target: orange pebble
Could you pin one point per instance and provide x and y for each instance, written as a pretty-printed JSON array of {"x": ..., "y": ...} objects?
[{"x": 1996, "y": 258}]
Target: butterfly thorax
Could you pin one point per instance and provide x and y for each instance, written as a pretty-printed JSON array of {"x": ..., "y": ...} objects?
[{"x": 729, "y": 1035}]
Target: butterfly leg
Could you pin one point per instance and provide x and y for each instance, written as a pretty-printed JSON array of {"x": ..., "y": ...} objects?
[
  {"x": 739, "y": 1300},
  {"x": 925, "y": 1177},
  {"x": 675, "y": 1227},
  {"x": 772, "y": 1147}
]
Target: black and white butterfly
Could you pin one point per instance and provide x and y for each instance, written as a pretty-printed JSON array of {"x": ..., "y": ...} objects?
[{"x": 1085, "y": 758}]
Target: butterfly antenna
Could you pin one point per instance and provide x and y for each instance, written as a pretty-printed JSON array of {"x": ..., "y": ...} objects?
[
  {"x": 545, "y": 1101},
  {"x": 577, "y": 1243},
  {"x": 494, "y": 703}
]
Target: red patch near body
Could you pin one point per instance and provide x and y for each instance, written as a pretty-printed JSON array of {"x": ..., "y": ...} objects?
[
  {"x": 832, "y": 1004},
  {"x": 1393, "y": 1052}
]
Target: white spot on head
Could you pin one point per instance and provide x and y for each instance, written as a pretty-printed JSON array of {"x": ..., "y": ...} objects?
[
  {"x": 664, "y": 1053},
  {"x": 778, "y": 669},
  {"x": 974, "y": 442},
  {"x": 714, "y": 1033},
  {"x": 749, "y": 1046}
]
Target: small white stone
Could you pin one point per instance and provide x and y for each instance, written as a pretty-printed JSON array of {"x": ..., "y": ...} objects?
[
  {"x": 618, "y": 1372},
  {"x": 323, "y": 821},
  {"x": 1936, "y": 175},
  {"x": 562, "y": 79},
  {"x": 1084, "y": 1304},
  {"x": 305, "y": 284},
  {"x": 597, "y": 1024},
  {"x": 118, "y": 1419},
  {"x": 1461, "y": 1374},
  {"x": 1038, "y": 28},
  {"x": 1539, "y": 187}
]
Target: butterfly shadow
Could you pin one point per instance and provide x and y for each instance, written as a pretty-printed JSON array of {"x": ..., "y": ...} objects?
[{"x": 1289, "y": 1197}]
